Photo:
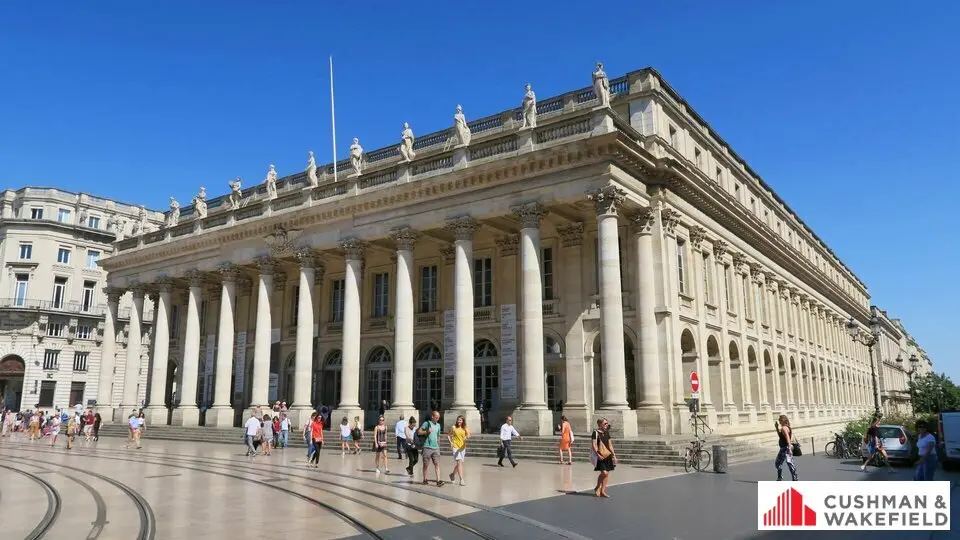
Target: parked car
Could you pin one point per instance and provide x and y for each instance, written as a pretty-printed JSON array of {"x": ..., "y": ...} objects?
[
  {"x": 949, "y": 437},
  {"x": 896, "y": 441}
]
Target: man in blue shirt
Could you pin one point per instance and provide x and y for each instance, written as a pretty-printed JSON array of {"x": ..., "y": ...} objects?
[{"x": 429, "y": 431}]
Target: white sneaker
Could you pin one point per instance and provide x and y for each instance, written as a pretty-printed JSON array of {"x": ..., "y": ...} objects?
[
  {"x": 388, "y": 471},
  {"x": 863, "y": 468},
  {"x": 462, "y": 483},
  {"x": 378, "y": 471}
]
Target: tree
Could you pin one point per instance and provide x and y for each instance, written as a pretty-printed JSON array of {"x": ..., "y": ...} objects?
[{"x": 933, "y": 393}]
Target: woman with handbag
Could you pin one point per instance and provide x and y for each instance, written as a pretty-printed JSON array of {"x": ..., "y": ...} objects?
[
  {"x": 605, "y": 458},
  {"x": 785, "y": 433}
]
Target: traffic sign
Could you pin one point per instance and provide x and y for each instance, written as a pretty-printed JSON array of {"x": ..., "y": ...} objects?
[{"x": 695, "y": 382}]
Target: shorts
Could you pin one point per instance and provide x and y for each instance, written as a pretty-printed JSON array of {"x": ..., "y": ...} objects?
[
  {"x": 346, "y": 438},
  {"x": 88, "y": 429},
  {"x": 872, "y": 449},
  {"x": 431, "y": 454},
  {"x": 458, "y": 455}
]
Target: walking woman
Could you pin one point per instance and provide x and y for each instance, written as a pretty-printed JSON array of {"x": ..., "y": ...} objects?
[
  {"x": 380, "y": 445},
  {"x": 356, "y": 434},
  {"x": 54, "y": 429},
  {"x": 786, "y": 448},
  {"x": 97, "y": 422},
  {"x": 345, "y": 437},
  {"x": 458, "y": 441},
  {"x": 606, "y": 458},
  {"x": 316, "y": 438},
  {"x": 566, "y": 440},
  {"x": 875, "y": 446},
  {"x": 413, "y": 454},
  {"x": 267, "y": 434},
  {"x": 927, "y": 461},
  {"x": 307, "y": 436}
]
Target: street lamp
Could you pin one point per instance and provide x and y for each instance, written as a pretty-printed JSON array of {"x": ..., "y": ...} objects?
[
  {"x": 869, "y": 340},
  {"x": 914, "y": 367}
]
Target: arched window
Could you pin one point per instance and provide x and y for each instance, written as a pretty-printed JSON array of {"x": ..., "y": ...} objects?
[
  {"x": 428, "y": 353},
  {"x": 333, "y": 360},
  {"x": 486, "y": 374},
  {"x": 380, "y": 355},
  {"x": 551, "y": 347},
  {"x": 428, "y": 378},
  {"x": 484, "y": 349}
]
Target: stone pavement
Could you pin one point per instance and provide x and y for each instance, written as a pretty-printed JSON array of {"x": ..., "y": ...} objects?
[{"x": 173, "y": 490}]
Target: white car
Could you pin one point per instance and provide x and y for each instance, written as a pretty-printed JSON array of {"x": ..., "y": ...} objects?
[{"x": 949, "y": 436}]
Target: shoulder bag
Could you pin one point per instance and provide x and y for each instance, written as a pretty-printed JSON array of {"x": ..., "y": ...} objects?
[{"x": 602, "y": 451}]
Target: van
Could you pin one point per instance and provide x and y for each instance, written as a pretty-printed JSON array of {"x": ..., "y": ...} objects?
[{"x": 949, "y": 435}]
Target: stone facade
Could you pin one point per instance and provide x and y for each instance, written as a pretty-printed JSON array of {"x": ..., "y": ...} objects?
[
  {"x": 52, "y": 302},
  {"x": 592, "y": 258},
  {"x": 899, "y": 359}
]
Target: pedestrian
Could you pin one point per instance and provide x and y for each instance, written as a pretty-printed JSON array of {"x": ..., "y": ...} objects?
[
  {"x": 927, "y": 460},
  {"x": 458, "y": 436},
  {"x": 54, "y": 428},
  {"x": 400, "y": 430},
  {"x": 356, "y": 434},
  {"x": 875, "y": 446},
  {"x": 88, "y": 421},
  {"x": 316, "y": 438},
  {"x": 566, "y": 440},
  {"x": 252, "y": 427},
  {"x": 785, "y": 434},
  {"x": 71, "y": 431},
  {"x": 307, "y": 436},
  {"x": 606, "y": 458},
  {"x": 413, "y": 452},
  {"x": 276, "y": 431},
  {"x": 345, "y": 436},
  {"x": 97, "y": 422},
  {"x": 267, "y": 436},
  {"x": 429, "y": 431},
  {"x": 380, "y": 447},
  {"x": 507, "y": 433},
  {"x": 285, "y": 431}
]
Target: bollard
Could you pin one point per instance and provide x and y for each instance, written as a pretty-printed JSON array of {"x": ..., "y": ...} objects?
[
  {"x": 813, "y": 446},
  {"x": 719, "y": 459}
]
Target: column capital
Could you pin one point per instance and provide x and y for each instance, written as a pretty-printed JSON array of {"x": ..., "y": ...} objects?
[
  {"x": 194, "y": 277},
  {"x": 404, "y": 238},
  {"x": 164, "y": 284},
  {"x": 571, "y": 235},
  {"x": 463, "y": 227},
  {"x": 279, "y": 281},
  {"x": 307, "y": 257},
  {"x": 739, "y": 261},
  {"x": 449, "y": 254},
  {"x": 137, "y": 290},
  {"x": 607, "y": 199},
  {"x": 266, "y": 265},
  {"x": 508, "y": 245},
  {"x": 670, "y": 218},
  {"x": 530, "y": 214},
  {"x": 245, "y": 286},
  {"x": 697, "y": 236},
  {"x": 113, "y": 294},
  {"x": 154, "y": 297},
  {"x": 645, "y": 220},
  {"x": 229, "y": 272},
  {"x": 771, "y": 283},
  {"x": 354, "y": 248},
  {"x": 211, "y": 291},
  {"x": 784, "y": 290},
  {"x": 719, "y": 249}
]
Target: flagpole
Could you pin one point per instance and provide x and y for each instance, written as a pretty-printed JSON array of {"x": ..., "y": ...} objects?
[{"x": 333, "y": 122}]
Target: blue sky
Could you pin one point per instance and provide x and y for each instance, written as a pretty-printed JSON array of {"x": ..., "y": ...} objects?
[{"x": 848, "y": 109}]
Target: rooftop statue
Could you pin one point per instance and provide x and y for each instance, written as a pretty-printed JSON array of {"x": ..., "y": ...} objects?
[
  {"x": 406, "y": 144},
  {"x": 356, "y": 154},
  {"x": 235, "y": 193},
  {"x": 271, "y": 183},
  {"x": 461, "y": 127},
  {"x": 140, "y": 227},
  {"x": 200, "y": 203},
  {"x": 312, "y": 171},
  {"x": 601, "y": 85},
  {"x": 117, "y": 224},
  {"x": 173, "y": 218},
  {"x": 529, "y": 109}
]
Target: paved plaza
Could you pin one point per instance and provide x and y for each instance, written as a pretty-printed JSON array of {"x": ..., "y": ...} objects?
[{"x": 173, "y": 490}]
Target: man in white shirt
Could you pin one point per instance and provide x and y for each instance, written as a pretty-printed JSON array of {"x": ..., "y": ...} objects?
[
  {"x": 252, "y": 426},
  {"x": 507, "y": 433},
  {"x": 284, "y": 431},
  {"x": 401, "y": 432}
]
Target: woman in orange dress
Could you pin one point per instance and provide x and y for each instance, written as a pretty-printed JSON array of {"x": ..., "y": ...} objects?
[{"x": 566, "y": 440}]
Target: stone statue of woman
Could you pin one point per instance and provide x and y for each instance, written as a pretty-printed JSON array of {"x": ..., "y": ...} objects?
[
  {"x": 200, "y": 203},
  {"x": 312, "y": 171},
  {"x": 406, "y": 144},
  {"x": 174, "y": 216},
  {"x": 461, "y": 127},
  {"x": 140, "y": 227},
  {"x": 356, "y": 155},
  {"x": 272, "y": 183},
  {"x": 235, "y": 193},
  {"x": 601, "y": 86},
  {"x": 529, "y": 109}
]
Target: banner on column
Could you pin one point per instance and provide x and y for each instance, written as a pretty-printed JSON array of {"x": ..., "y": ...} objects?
[
  {"x": 275, "y": 335},
  {"x": 239, "y": 366},
  {"x": 208, "y": 363},
  {"x": 449, "y": 352},
  {"x": 508, "y": 351}
]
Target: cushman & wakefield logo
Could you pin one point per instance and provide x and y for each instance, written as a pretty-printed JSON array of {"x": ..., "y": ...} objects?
[{"x": 854, "y": 506}]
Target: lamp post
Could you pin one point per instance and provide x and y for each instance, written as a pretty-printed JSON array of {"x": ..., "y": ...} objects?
[
  {"x": 869, "y": 339},
  {"x": 914, "y": 362}
]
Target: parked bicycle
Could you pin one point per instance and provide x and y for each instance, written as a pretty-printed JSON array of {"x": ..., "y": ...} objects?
[
  {"x": 841, "y": 448},
  {"x": 696, "y": 456}
]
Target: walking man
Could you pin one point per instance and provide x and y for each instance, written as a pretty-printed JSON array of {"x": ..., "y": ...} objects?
[
  {"x": 431, "y": 446},
  {"x": 253, "y": 427},
  {"x": 400, "y": 430},
  {"x": 507, "y": 433}
]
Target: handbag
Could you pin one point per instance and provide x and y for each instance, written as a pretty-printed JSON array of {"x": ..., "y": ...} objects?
[
  {"x": 501, "y": 451},
  {"x": 602, "y": 451},
  {"x": 796, "y": 449}
]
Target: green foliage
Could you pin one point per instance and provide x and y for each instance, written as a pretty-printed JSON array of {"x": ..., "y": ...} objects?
[
  {"x": 856, "y": 429},
  {"x": 933, "y": 393}
]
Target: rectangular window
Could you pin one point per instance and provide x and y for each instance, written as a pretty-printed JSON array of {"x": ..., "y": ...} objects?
[
  {"x": 80, "y": 361},
  {"x": 698, "y": 158},
  {"x": 50, "y": 359},
  {"x": 86, "y": 301},
  {"x": 707, "y": 279},
  {"x": 681, "y": 266},
  {"x": 718, "y": 175},
  {"x": 727, "y": 291},
  {"x": 547, "y": 258},
  {"x": 59, "y": 292},
  {"x": 36, "y": 213},
  {"x": 20, "y": 290},
  {"x": 674, "y": 142},
  {"x": 55, "y": 329},
  {"x": 381, "y": 294},
  {"x": 482, "y": 282},
  {"x": 84, "y": 332},
  {"x": 93, "y": 257},
  {"x": 337, "y": 299},
  {"x": 63, "y": 215},
  {"x": 93, "y": 222},
  {"x": 26, "y": 251},
  {"x": 174, "y": 321},
  {"x": 47, "y": 389},
  {"x": 63, "y": 255},
  {"x": 428, "y": 289},
  {"x": 295, "y": 309}
]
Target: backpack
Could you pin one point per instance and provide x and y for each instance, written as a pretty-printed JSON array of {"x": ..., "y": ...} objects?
[{"x": 418, "y": 439}]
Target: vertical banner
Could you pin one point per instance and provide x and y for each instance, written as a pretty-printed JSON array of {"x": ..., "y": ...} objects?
[
  {"x": 274, "y": 387},
  {"x": 449, "y": 352},
  {"x": 239, "y": 366},
  {"x": 208, "y": 370},
  {"x": 508, "y": 351}
]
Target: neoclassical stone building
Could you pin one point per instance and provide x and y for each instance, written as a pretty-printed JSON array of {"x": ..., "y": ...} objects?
[
  {"x": 899, "y": 359},
  {"x": 587, "y": 252}
]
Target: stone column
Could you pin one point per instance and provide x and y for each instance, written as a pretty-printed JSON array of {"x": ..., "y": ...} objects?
[
  {"x": 578, "y": 374},
  {"x": 221, "y": 414},
  {"x": 131, "y": 372},
  {"x": 532, "y": 416},
  {"x": 463, "y": 229},
  {"x": 187, "y": 413},
  {"x": 402, "y": 406},
  {"x": 650, "y": 402},
  {"x": 302, "y": 406},
  {"x": 263, "y": 331},
  {"x": 350, "y": 377},
  {"x": 613, "y": 370},
  {"x": 156, "y": 410},
  {"x": 108, "y": 354}
]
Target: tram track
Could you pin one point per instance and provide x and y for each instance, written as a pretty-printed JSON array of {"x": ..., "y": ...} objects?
[{"x": 54, "y": 503}]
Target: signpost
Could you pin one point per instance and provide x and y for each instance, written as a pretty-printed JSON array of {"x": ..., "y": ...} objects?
[{"x": 695, "y": 384}]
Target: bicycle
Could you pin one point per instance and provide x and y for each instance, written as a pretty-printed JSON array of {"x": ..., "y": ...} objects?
[
  {"x": 837, "y": 448},
  {"x": 696, "y": 457}
]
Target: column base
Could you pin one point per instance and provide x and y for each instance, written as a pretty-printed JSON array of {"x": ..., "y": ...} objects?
[
  {"x": 533, "y": 422},
  {"x": 185, "y": 416},
  {"x": 221, "y": 417},
  {"x": 299, "y": 416},
  {"x": 623, "y": 422},
  {"x": 338, "y": 414},
  {"x": 393, "y": 415},
  {"x": 651, "y": 420},
  {"x": 156, "y": 415},
  {"x": 580, "y": 418},
  {"x": 471, "y": 415}
]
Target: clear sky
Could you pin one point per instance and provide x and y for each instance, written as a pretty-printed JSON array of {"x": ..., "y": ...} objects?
[{"x": 849, "y": 110}]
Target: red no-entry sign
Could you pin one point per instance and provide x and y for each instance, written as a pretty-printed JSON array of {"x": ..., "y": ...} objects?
[{"x": 694, "y": 382}]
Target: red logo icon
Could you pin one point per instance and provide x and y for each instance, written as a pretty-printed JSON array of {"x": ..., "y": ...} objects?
[
  {"x": 695, "y": 382},
  {"x": 790, "y": 512}
]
